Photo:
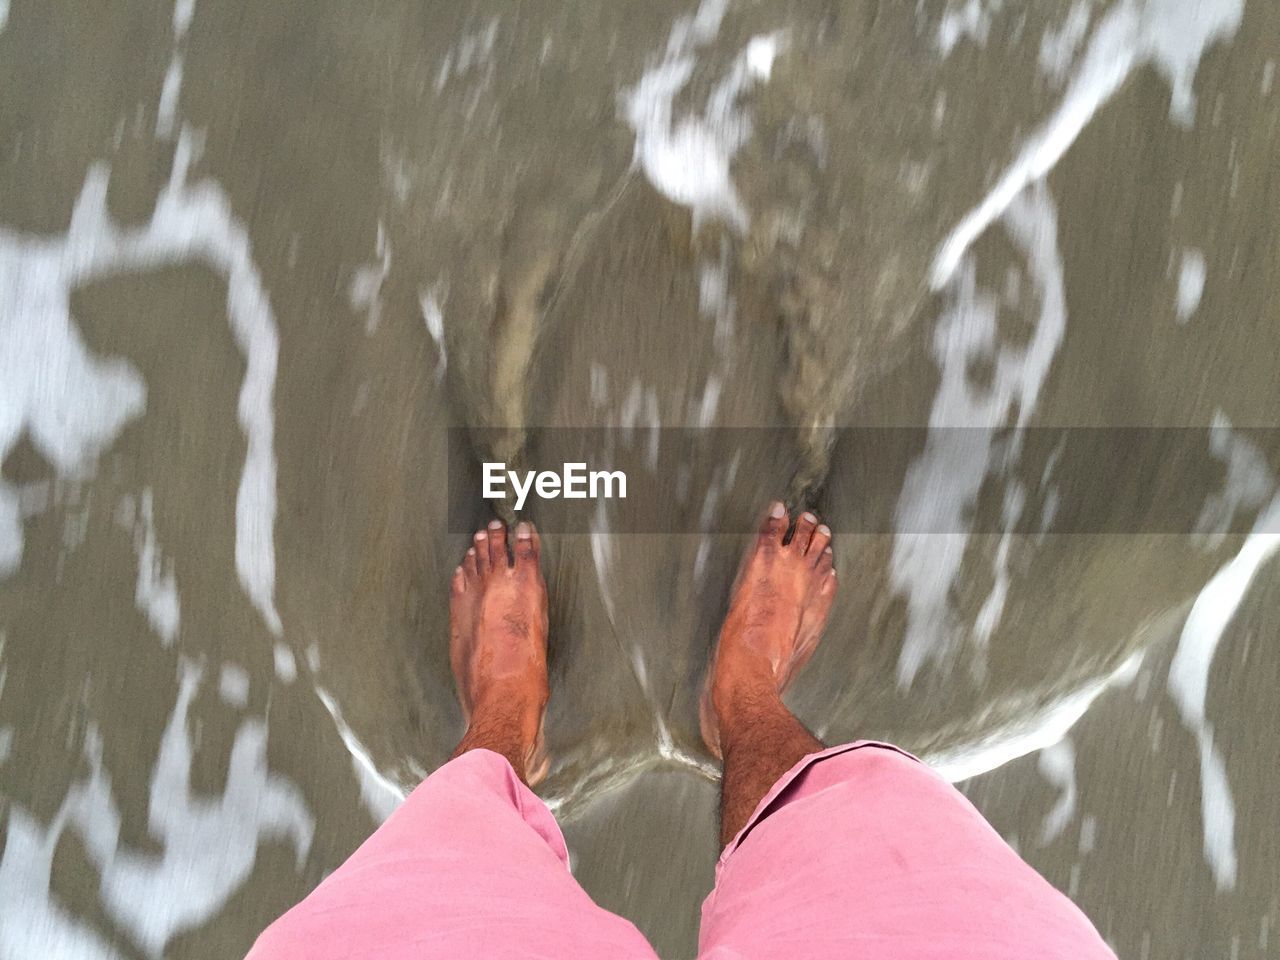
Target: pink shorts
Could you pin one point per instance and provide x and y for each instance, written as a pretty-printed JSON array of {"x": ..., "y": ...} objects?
[{"x": 857, "y": 851}]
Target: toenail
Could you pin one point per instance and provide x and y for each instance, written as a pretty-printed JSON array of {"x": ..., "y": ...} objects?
[
  {"x": 495, "y": 524},
  {"x": 457, "y": 572},
  {"x": 778, "y": 511},
  {"x": 824, "y": 530},
  {"x": 828, "y": 550},
  {"x": 481, "y": 535},
  {"x": 522, "y": 531},
  {"x": 810, "y": 517}
]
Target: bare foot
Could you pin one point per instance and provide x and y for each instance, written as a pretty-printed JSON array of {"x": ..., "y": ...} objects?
[
  {"x": 780, "y": 604},
  {"x": 498, "y": 647}
]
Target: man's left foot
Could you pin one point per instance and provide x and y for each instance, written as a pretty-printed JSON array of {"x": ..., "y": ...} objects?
[{"x": 498, "y": 646}]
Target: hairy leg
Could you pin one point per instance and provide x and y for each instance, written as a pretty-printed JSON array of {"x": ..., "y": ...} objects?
[
  {"x": 761, "y": 740},
  {"x": 509, "y": 727},
  {"x": 776, "y": 617}
]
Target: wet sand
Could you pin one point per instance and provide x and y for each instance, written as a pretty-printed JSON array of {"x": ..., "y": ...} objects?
[{"x": 256, "y": 261}]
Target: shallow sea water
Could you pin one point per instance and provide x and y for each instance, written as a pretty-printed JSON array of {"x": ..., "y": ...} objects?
[{"x": 257, "y": 260}]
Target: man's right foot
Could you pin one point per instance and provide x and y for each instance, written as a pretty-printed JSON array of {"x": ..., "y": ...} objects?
[{"x": 779, "y": 608}]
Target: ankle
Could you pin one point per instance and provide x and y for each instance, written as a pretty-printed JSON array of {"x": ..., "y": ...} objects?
[{"x": 508, "y": 729}]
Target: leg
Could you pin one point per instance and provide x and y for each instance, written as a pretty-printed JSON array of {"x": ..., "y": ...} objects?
[
  {"x": 472, "y": 864},
  {"x": 779, "y": 607},
  {"x": 761, "y": 743},
  {"x": 855, "y": 851}
]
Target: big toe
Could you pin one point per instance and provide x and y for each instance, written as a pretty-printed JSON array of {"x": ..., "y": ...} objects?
[{"x": 775, "y": 524}]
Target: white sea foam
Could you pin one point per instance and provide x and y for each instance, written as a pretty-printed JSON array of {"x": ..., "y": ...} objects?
[
  {"x": 1057, "y": 764},
  {"x": 171, "y": 87},
  {"x": 1058, "y": 47},
  {"x": 1172, "y": 35},
  {"x": 73, "y": 405},
  {"x": 32, "y": 921},
  {"x": 943, "y": 484},
  {"x": 6, "y": 733},
  {"x": 170, "y": 90},
  {"x": 602, "y": 558},
  {"x": 208, "y": 845},
  {"x": 10, "y": 527},
  {"x": 433, "y": 317},
  {"x": 714, "y": 299},
  {"x": 1212, "y": 612},
  {"x": 156, "y": 593},
  {"x": 688, "y": 158},
  {"x": 1248, "y": 485},
  {"x": 380, "y": 794},
  {"x": 1028, "y": 733},
  {"x": 992, "y": 609},
  {"x": 969, "y": 18},
  {"x": 1191, "y": 276},
  {"x": 473, "y": 50},
  {"x": 183, "y": 12},
  {"x": 365, "y": 291},
  {"x": 233, "y": 685},
  {"x": 710, "y": 401},
  {"x": 759, "y": 55},
  {"x": 286, "y": 667},
  {"x": 70, "y": 403}
]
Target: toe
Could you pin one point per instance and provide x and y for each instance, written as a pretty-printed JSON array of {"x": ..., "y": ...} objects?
[
  {"x": 497, "y": 545},
  {"x": 775, "y": 524},
  {"x": 469, "y": 562},
  {"x": 482, "y": 551},
  {"x": 526, "y": 548},
  {"x": 804, "y": 532},
  {"x": 820, "y": 541},
  {"x": 829, "y": 584},
  {"x": 825, "y": 563},
  {"x": 458, "y": 584},
  {"x": 827, "y": 572}
]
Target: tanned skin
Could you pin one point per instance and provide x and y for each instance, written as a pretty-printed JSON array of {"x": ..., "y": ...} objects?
[
  {"x": 498, "y": 647},
  {"x": 780, "y": 604},
  {"x": 779, "y": 608}
]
